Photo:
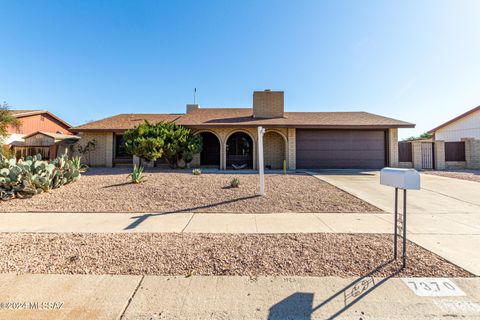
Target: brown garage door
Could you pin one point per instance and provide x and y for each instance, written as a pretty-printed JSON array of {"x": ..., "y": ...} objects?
[{"x": 318, "y": 149}]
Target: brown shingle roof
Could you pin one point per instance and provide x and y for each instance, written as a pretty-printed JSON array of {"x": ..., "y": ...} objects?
[
  {"x": 213, "y": 117},
  {"x": 242, "y": 117},
  {"x": 56, "y": 136},
  {"x": 19, "y": 113},
  {"x": 125, "y": 121}
]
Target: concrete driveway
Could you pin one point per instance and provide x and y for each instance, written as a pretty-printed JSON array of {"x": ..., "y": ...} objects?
[
  {"x": 438, "y": 195},
  {"x": 443, "y": 217}
]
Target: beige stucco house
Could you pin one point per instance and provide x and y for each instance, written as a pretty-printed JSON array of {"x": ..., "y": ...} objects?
[{"x": 301, "y": 139}]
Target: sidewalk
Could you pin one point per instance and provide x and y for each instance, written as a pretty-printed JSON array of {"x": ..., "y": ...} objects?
[
  {"x": 418, "y": 224},
  {"x": 157, "y": 297},
  {"x": 197, "y": 222}
]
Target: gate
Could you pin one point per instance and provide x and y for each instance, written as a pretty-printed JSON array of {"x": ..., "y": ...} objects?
[{"x": 427, "y": 155}]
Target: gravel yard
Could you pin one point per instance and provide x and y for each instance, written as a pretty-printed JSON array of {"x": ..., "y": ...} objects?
[
  {"x": 471, "y": 175},
  {"x": 214, "y": 254},
  {"x": 108, "y": 190}
]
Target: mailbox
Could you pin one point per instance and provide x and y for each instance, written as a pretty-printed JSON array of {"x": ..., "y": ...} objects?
[{"x": 407, "y": 179}]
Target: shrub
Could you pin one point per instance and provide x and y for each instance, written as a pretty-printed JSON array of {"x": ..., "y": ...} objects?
[
  {"x": 197, "y": 172},
  {"x": 26, "y": 178},
  {"x": 137, "y": 174},
  {"x": 163, "y": 140},
  {"x": 235, "y": 182}
]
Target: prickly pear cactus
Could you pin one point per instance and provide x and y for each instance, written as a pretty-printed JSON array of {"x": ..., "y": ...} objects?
[{"x": 26, "y": 178}]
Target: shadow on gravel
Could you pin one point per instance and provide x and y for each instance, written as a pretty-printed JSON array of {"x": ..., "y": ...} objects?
[
  {"x": 143, "y": 217},
  {"x": 300, "y": 306}
]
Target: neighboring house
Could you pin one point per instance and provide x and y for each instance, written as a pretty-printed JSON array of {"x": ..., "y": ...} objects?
[
  {"x": 39, "y": 132},
  {"x": 457, "y": 141},
  {"x": 466, "y": 125},
  {"x": 302, "y": 139}
]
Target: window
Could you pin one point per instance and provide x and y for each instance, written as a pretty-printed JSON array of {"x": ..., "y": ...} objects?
[{"x": 120, "y": 150}]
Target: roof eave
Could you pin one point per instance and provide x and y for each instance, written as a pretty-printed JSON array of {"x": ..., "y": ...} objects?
[
  {"x": 301, "y": 126},
  {"x": 449, "y": 122},
  {"x": 37, "y": 112}
]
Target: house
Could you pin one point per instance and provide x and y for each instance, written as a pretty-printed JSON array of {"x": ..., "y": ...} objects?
[
  {"x": 39, "y": 132},
  {"x": 466, "y": 125},
  {"x": 301, "y": 139},
  {"x": 458, "y": 141}
]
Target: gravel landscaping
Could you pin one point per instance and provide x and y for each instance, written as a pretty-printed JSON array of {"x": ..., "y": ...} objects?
[
  {"x": 108, "y": 190},
  {"x": 342, "y": 255},
  {"x": 471, "y": 175}
]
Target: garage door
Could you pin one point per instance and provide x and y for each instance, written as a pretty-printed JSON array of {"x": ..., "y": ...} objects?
[{"x": 318, "y": 149}]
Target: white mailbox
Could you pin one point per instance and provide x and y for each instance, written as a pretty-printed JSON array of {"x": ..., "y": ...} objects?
[{"x": 407, "y": 179}]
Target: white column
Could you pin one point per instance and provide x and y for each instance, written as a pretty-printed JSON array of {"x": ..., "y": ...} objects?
[{"x": 261, "y": 132}]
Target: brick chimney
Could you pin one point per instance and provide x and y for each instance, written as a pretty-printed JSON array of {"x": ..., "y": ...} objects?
[
  {"x": 268, "y": 104},
  {"x": 191, "y": 107}
]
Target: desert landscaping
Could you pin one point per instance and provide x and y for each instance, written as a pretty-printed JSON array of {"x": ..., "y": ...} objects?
[
  {"x": 470, "y": 175},
  {"x": 312, "y": 254},
  {"x": 109, "y": 190}
]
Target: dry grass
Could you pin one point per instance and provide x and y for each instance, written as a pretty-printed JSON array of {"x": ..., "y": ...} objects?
[
  {"x": 470, "y": 175},
  {"x": 108, "y": 190},
  {"x": 342, "y": 255}
]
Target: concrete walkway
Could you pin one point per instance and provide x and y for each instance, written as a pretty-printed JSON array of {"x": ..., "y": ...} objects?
[
  {"x": 197, "y": 222},
  {"x": 228, "y": 297},
  {"x": 443, "y": 217}
]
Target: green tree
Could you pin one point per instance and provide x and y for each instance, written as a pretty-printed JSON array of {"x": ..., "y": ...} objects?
[
  {"x": 163, "y": 140},
  {"x": 423, "y": 136},
  {"x": 7, "y": 119}
]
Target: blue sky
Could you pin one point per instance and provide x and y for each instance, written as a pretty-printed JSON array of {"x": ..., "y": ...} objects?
[{"x": 417, "y": 61}]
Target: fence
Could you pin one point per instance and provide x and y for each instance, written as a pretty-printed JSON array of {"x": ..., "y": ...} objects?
[
  {"x": 405, "y": 151},
  {"x": 23, "y": 152},
  {"x": 455, "y": 151}
]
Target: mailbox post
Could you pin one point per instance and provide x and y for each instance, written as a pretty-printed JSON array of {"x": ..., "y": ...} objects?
[{"x": 405, "y": 179}]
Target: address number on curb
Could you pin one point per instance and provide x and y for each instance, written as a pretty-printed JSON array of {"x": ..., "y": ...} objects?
[{"x": 433, "y": 287}]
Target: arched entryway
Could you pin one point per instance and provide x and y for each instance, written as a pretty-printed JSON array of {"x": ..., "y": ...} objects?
[
  {"x": 274, "y": 150},
  {"x": 210, "y": 155},
  {"x": 239, "y": 151}
]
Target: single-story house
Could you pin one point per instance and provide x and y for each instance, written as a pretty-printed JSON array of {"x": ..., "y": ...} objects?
[
  {"x": 39, "y": 132},
  {"x": 302, "y": 139},
  {"x": 458, "y": 141},
  {"x": 466, "y": 125}
]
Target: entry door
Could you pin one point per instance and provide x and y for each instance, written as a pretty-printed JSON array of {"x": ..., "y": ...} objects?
[{"x": 427, "y": 155}]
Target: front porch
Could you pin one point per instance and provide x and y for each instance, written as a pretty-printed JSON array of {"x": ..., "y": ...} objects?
[{"x": 236, "y": 148}]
